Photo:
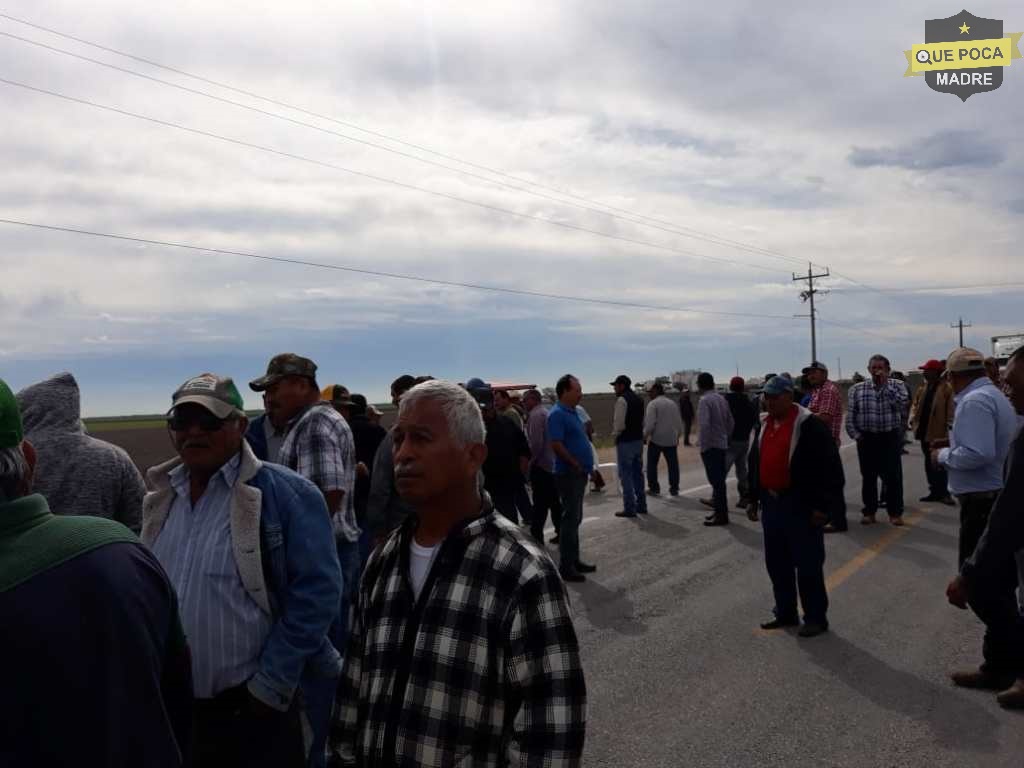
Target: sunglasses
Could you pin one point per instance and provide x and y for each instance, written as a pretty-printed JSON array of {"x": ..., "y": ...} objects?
[{"x": 205, "y": 420}]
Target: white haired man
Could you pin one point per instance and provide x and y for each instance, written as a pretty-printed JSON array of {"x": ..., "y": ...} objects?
[{"x": 463, "y": 649}]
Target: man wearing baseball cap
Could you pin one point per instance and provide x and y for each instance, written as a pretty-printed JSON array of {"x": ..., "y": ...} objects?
[
  {"x": 318, "y": 444},
  {"x": 931, "y": 416},
  {"x": 983, "y": 428},
  {"x": 90, "y": 627},
  {"x": 796, "y": 477},
  {"x": 249, "y": 548}
]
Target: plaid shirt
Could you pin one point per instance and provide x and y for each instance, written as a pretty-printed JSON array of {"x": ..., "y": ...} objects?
[
  {"x": 828, "y": 400},
  {"x": 876, "y": 409},
  {"x": 319, "y": 446},
  {"x": 483, "y": 670}
]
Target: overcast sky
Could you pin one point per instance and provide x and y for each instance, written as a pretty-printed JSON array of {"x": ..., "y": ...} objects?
[{"x": 786, "y": 126}]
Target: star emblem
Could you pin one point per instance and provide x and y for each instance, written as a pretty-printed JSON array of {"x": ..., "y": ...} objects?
[{"x": 964, "y": 29}]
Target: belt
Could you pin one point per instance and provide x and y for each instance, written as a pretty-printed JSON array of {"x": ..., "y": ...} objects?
[{"x": 980, "y": 495}]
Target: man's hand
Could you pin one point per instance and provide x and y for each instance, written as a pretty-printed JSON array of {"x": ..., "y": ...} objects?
[
  {"x": 935, "y": 456},
  {"x": 818, "y": 518},
  {"x": 362, "y": 470},
  {"x": 956, "y": 593}
]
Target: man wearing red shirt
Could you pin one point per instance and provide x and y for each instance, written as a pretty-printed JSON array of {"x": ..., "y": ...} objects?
[{"x": 796, "y": 477}]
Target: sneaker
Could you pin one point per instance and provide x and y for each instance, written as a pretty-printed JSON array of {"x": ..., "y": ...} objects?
[
  {"x": 812, "y": 629},
  {"x": 716, "y": 521},
  {"x": 928, "y": 498},
  {"x": 584, "y": 567},
  {"x": 624, "y": 513},
  {"x": 1012, "y": 697},
  {"x": 743, "y": 503},
  {"x": 976, "y": 678},
  {"x": 949, "y": 501},
  {"x": 708, "y": 503},
  {"x": 651, "y": 492},
  {"x": 674, "y": 493},
  {"x": 897, "y": 521},
  {"x": 642, "y": 511},
  {"x": 867, "y": 520}
]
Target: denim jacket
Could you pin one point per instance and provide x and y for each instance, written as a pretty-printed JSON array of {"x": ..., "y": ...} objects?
[{"x": 286, "y": 558}]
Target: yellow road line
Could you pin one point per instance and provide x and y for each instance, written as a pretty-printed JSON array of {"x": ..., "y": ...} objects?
[{"x": 847, "y": 569}]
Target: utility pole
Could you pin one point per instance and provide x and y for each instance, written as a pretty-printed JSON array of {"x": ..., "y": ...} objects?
[
  {"x": 808, "y": 296},
  {"x": 960, "y": 324},
  {"x": 839, "y": 363}
]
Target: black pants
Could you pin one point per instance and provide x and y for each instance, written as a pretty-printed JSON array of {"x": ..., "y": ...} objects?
[
  {"x": 545, "y": 499},
  {"x": 993, "y": 594},
  {"x": 794, "y": 553},
  {"x": 714, "y": 468},
  {"x": 936, "y": 473},
  {"x": 230, "y": 733},
  {"x": 671, "y": 453},
  {"x": 687, "y": 426},
  {"x": 880, "y": 457}
]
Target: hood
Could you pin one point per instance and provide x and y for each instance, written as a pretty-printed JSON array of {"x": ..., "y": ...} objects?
[{"x": 51, "y": 406}]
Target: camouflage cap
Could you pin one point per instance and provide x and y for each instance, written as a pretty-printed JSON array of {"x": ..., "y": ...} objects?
[
  {"x": 287, "y": 364},
  {"x": 11, "y": 430},
  {"x": 217, "y": 394}
]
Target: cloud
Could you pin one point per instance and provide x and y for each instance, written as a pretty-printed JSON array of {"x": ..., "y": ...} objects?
[{"x": 949, "y": 149}]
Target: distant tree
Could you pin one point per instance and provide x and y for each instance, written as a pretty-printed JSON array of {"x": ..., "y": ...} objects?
[
  {"x": 857, "y": 378},
  {"x": 549, "y": 394}
]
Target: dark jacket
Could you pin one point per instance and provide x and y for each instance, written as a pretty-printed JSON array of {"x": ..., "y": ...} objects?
[
  {"x": 367, "y": 437},
  {"x": 815, "y": 468},
  {"x": 385, "y": 509},
  {"x": 743, "y": 415},
  {"x": 506, "y": 445},
  {"x": 93, "y": 659},
  {"x": 1004, "y": 534},
  {"x": 634, "y": 419},
  {"x": 686, "y": 407}
]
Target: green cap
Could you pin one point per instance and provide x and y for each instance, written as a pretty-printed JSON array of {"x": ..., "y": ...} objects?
[
  {"x": 11, "y": 431},
  {"x": 217, "y": 394},
  {"x": 288, "y": 364}
]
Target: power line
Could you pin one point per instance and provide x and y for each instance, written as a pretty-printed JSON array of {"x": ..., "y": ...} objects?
[
  {"x": 858, "y": 329},
  {"x": 682, "y": 230},
  {"x": 391, "y": 275},
  {"x": 932, "y": 288},
  {"x": 374, "y": 177},
  {"x": 504, "y": 185}
]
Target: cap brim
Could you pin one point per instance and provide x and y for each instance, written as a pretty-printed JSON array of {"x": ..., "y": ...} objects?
[
  {"x": 217, "y": 407},
  {"x": 260, "y": 384}
]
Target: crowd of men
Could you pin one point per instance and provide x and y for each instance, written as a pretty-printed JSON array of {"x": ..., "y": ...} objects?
[{"x": 308, "y": 588}]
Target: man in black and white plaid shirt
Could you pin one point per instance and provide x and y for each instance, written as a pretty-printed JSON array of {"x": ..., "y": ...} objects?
[{"x": 462, "y": 650}]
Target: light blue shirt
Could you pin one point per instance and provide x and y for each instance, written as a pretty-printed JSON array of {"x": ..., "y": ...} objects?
[
  {"x": 983, "y": 428},
  {"x": 225, "y": 628}
]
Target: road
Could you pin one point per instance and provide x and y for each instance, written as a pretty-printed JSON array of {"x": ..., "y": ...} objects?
[{"x": 679, "y": 674}]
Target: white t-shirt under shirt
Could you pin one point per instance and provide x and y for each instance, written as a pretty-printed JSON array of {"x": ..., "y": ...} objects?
[{"x": 420, "y": 561}]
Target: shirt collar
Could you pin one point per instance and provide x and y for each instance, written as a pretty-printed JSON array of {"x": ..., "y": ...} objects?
[
  {"x": 22, "y": 514},
  {"x": 977, "y": 384},
  {"x": 228, "y": 473}
]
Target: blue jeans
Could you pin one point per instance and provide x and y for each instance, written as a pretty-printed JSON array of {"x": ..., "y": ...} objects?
[
  {"x": 571, "y": 488},
  {"x": 715, "y": 468},
  {"x": 671, "y": 458},
  {"x": 320, "y": 697},
  {"x": 794, "y": 553},
  {"x": 629, "y": 457}
]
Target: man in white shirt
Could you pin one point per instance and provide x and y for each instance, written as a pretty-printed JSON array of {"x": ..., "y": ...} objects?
[{"x": 662, "y": 427}]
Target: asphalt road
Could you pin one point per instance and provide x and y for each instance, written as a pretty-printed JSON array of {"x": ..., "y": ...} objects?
[{"x": 679, "y": 674}]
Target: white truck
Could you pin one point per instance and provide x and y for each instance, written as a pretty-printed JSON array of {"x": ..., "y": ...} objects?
[{"x": 1006, "y": 345}]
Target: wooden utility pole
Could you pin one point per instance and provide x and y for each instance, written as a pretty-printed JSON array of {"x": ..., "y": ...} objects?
[
  {"x": 808, "y": 296},
  {"x": 960, "y": 325}
]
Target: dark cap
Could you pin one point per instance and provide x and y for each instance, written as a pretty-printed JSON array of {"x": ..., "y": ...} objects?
[
  {"x": 481, "y": 392},
  {"x": 778, "y": 385},
  {"x": 622, "y": 379},
  {"x": 357, "y": 404},
  {"x": 11, "y": 430},
  {"x": 337, "y": 395},
  {"x": 288, "y": 364},
  {"x": 217, "y": 394},
  {"x": 815, "y": 366}
]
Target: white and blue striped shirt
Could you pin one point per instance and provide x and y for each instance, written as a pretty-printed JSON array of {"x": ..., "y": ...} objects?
[{"x": 226, "y": 629}]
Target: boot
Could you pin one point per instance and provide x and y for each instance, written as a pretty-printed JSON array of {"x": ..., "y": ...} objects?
[{"x": 1012, "y": 697}]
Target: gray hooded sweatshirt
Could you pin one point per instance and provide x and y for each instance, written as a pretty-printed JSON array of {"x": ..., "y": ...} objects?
[{"x": 78, "y": 474}]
